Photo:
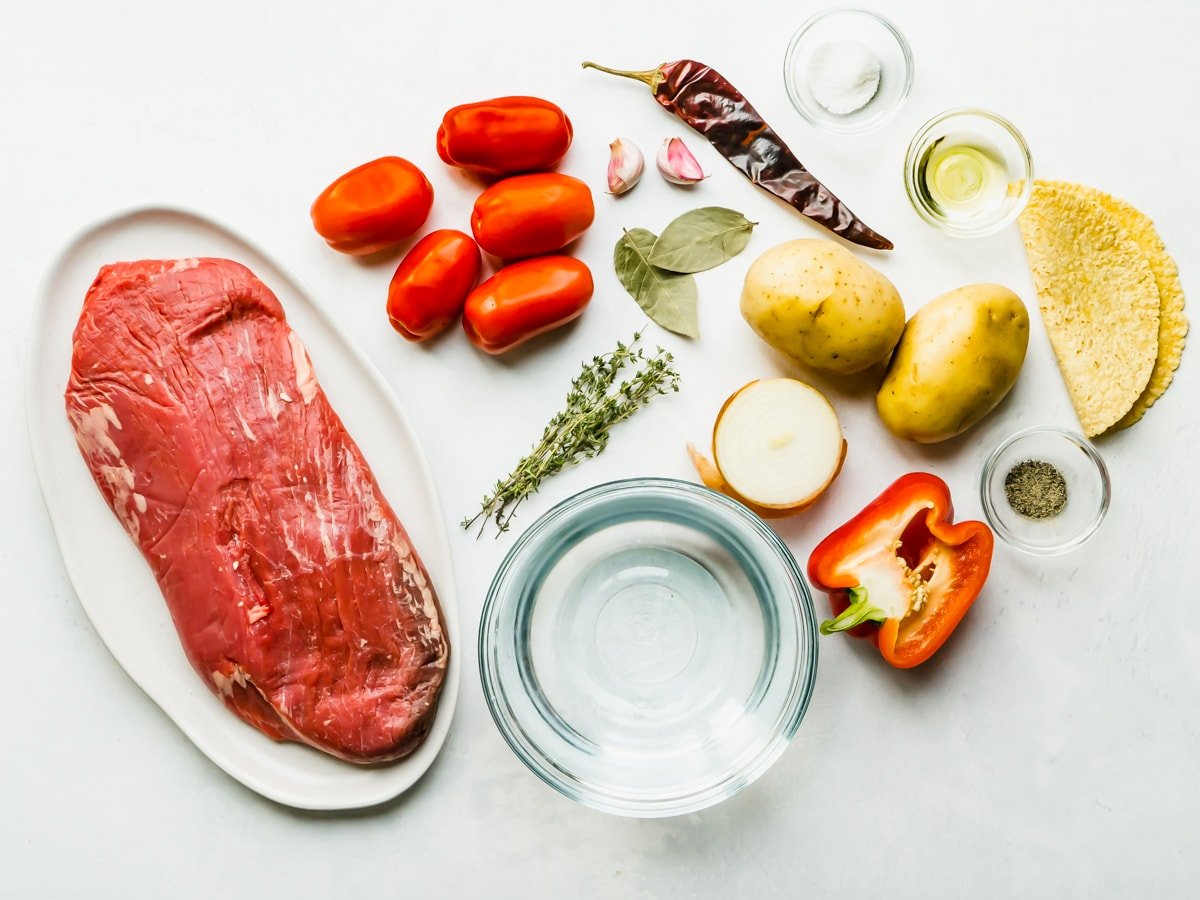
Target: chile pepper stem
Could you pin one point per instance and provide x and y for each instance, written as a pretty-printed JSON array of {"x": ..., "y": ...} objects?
[
  {"x": 652, "y": 77},
  {"x": 855, "y": 614}
]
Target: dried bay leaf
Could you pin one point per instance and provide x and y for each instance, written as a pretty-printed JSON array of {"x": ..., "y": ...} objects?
[
  {"x": 701, "y": 239},
  {"x": 669, "y": 298}
]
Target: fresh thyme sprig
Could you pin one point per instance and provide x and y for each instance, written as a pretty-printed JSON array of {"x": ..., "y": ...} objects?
[{"x": 580, "y": 430}]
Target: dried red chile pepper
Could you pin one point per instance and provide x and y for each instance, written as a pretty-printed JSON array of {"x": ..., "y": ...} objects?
[{"x": 703, "y": 99}]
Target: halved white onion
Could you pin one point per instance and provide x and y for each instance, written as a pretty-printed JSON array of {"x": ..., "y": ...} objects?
[{"x": 777, "y": 445}]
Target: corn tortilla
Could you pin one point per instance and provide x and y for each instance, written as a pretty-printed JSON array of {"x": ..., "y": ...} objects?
[
  {"x": 1172, "y": 323},
  {"x": 1099, "y": 302}
]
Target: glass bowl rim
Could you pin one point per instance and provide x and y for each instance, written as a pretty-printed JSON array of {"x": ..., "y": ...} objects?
[
  {"x": 787, "y": 721},
  {"x": 996, "y": 522},
  {"x": 911, "y": 159},
  {"x": 831, "y": 125}
]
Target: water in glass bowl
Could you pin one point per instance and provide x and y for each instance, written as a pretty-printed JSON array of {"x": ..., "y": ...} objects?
[
  {"x": 648, "y": 647},
  {"x": 645, "y": 647}
]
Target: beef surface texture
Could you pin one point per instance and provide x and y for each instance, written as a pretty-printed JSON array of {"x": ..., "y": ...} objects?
[{"x": 296, "y": 593}]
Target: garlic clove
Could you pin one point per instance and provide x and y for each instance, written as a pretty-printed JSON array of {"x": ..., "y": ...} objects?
[
  {"x": 676, "y": 163},
  {"x": 625, "y": 165}
]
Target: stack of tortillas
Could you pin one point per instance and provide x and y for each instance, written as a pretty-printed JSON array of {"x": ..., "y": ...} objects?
[{"x": 1110, "y": 298}]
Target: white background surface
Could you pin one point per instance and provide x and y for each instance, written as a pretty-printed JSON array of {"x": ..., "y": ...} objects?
[{"x": 1052, "y": 748}]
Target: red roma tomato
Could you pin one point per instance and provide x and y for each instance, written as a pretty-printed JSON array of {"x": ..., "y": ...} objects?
[
  {"x": 432, "y": 282},
  {"x": 504, "y": 136},
  {"x": 524, "y": 300},
  {"x": 530, "y": 215},
  {"x": 374, "y": 206}
]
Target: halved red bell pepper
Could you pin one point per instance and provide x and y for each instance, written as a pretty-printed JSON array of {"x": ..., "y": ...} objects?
[{"x": 900, "y": 572}]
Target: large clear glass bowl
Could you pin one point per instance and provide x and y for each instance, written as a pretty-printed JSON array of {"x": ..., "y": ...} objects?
[{"x": 648, "y": 647}]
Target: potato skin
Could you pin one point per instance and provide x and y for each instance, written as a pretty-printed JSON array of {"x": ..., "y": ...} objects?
[
  {"x": 959, "y": 355},
  {"x": 821, "y": 305}
]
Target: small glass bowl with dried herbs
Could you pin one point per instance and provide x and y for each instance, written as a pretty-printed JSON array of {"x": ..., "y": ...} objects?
[{"x": 1045, "y": 490}]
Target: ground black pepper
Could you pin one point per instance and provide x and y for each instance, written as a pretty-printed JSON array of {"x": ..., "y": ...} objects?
[{"x": 1035, "y": 489}]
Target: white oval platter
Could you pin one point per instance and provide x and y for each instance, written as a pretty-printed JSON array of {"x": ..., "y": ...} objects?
[{"x": 113, "y": 582}]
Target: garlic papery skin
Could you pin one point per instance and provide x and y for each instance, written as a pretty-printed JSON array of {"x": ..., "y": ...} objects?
[
  {"x": 676, "y": 163},
  {"x": 625, "y": 165}
]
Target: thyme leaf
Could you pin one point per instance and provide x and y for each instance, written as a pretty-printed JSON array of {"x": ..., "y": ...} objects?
[{"x": 580, "y": 430}]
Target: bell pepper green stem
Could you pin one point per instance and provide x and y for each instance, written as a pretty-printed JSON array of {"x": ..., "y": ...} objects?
[{"x": 855, "y": 614}]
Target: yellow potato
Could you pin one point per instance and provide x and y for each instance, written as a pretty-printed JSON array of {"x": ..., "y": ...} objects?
[
  {"x": 821, "y": 305},
  {"x": 960, "y": 354}
]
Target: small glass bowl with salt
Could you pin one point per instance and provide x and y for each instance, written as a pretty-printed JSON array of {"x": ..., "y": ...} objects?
[{"x": 848, "y": 71}]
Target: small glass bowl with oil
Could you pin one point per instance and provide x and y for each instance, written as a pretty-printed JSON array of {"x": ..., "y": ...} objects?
[{"x": 968, "y": 172}]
